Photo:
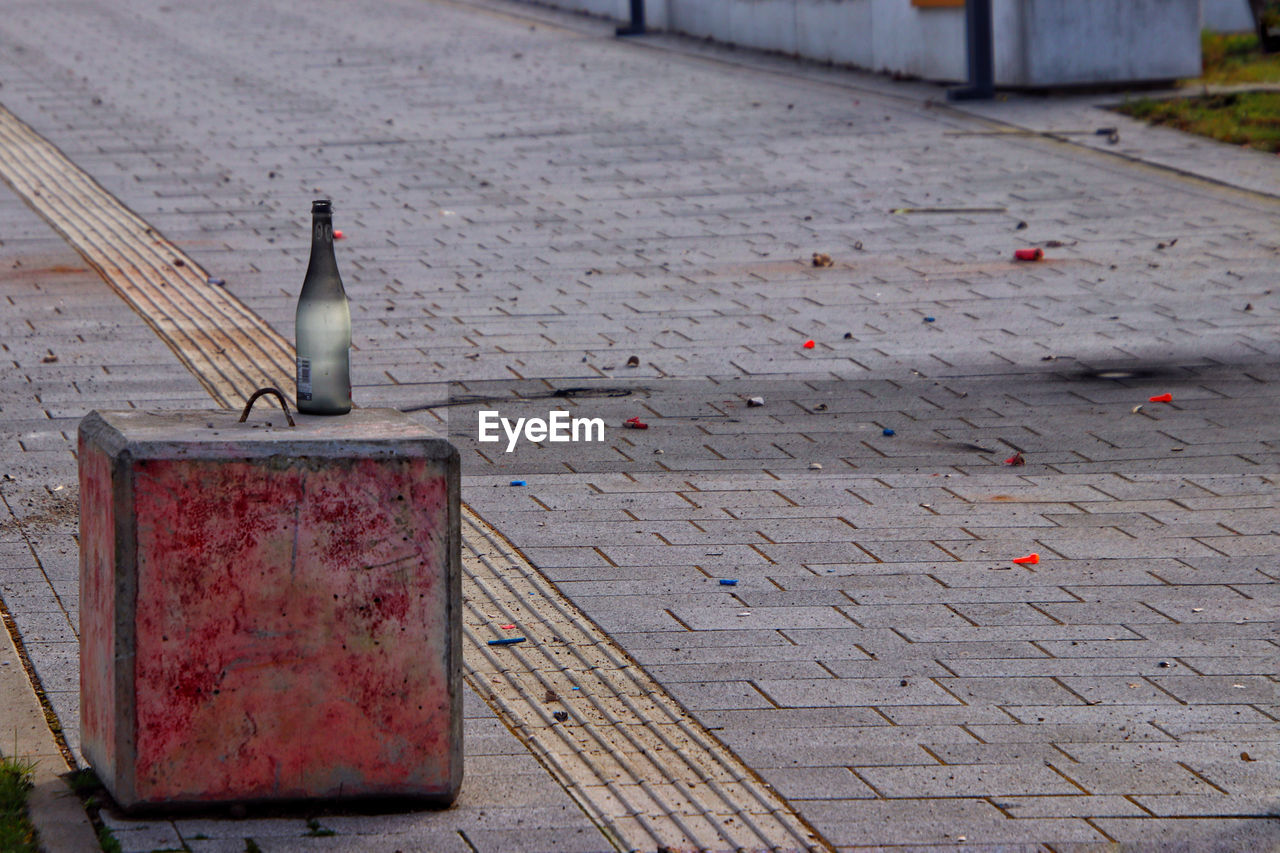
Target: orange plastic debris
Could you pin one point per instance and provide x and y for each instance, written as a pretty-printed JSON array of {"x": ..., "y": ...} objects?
[
  {"x": 337, "y": 235},
  {"x": 1029, "y": 560},
  {"x": 1016, "y": 459},
  {"x": 809, "y": 344},
  {"x": 1029, "y": 254},
  {"x": 1162, "y": 398},
  {"x": 636, "y": 423}
]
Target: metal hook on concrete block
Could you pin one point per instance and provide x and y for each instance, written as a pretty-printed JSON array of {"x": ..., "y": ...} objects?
[{"x": 244, "y": 416}]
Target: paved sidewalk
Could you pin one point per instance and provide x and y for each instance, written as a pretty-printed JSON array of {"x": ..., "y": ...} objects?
[{"x": 529, "y": 199}]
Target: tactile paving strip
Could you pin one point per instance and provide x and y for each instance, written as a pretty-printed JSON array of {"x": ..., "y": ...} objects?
[
  {"x": 231, "y": 350},
  {"x": 649, "y": 774}
]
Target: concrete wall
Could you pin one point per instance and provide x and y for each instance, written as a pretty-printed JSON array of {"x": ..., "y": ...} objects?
[
  {"x": 1067, "y": 42},
  {"x": 1037, "y": 42},
  {"x": 1226, "y": 16}
]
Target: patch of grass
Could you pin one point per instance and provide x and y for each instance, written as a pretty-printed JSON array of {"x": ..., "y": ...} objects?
[
  {"x": 1231, "y": 58},
  {"x": 108, "y": 842},
  {"x": 16, "y": 832},
  {"x": 83, "y": 782},
  {"x": 1244, "y": 118}
]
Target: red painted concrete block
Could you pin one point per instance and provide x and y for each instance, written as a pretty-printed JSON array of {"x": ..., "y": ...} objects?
[{"x": 269, "y": 613}]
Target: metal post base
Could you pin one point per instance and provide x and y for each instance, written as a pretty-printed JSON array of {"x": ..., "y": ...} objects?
[{"x": 636, "y": 27}]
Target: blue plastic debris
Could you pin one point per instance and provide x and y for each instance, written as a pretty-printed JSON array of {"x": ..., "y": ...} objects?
[
  {"x": 929, "y": 319},
  {"x": 519, "y": 483},
  {"x": 506, "y": 641},
  {"x": 728, "y": 582},
  {"x": 888, "y": 431}
]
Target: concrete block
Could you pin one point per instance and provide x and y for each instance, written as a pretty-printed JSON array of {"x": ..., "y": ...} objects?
[{"x": 269, "y": 613}]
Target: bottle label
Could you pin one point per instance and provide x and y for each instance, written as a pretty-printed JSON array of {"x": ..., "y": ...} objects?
[{"x": 304, "y": 378}]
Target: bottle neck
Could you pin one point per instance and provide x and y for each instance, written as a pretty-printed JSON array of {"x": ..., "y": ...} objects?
[{"x": 323, "y": 266}]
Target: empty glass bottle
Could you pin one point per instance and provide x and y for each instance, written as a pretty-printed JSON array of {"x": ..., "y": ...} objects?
[{"x": 323, "y": 325}]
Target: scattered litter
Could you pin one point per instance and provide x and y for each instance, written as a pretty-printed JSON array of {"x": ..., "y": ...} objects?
[
  {"x": 561, "y": 716},
  {"x": 728, "y": 582},
  {"x": 337, "y": 235},
  {"x": 659, "y": 451},
  {"x": 887, "y": 431},
  {"x": 217, "y": 282},
  {"x": 634, "y": 361},
  {"x": 1035, "y": 254},
  {"x": 519, "y": 483},
  {"x": 815, "y": 466},
  {"x": 1136, "y": 409},
  {"x": 179, "y": 262},
  {"x": 857, "y": 245},
  {"x": 1197, "y": 610},
  {"x": 822, "y": 259},
  {"x": 1164, "y": 664},
  {"x": 745, "y": 613},
  {"x": 1161, "y": 398},
  {"x": 49, "y": 359},
  {"x": 1244, "y": 756},
  {"x": 848, "y": 336},
  {"x": 809, "y": 344},
  {"x": 1016, "y": 459},
  {"x": 58, "y": 488},
  {"x": 507, "y": 641},
  {"x": 1021, "y": 226},
  {"x": 550, "y": 696},
  {"x": 1248, "y": 306},
  {"x": 755, "y": 402},
  {"x": 636, "y": 423},
  {"x": 821, "y": 407},
  {"x": 929, "y": 319},
  {"x": 1029, "y": 560},
  {"x": 507, "y": 627}
]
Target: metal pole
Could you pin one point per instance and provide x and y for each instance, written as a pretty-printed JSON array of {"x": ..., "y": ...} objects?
[
  {"x": 636, "y": 27},
  {"x": 978, "y": 31}
]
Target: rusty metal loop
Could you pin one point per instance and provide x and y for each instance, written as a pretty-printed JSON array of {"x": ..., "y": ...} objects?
[{"x": 244, "y": 416}]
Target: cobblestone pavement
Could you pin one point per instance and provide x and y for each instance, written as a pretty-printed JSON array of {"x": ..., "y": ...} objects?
[{"x": 527, "y": 200}]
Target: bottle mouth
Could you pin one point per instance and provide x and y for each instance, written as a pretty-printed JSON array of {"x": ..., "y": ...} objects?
[{"x": 322, "y": 205}]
